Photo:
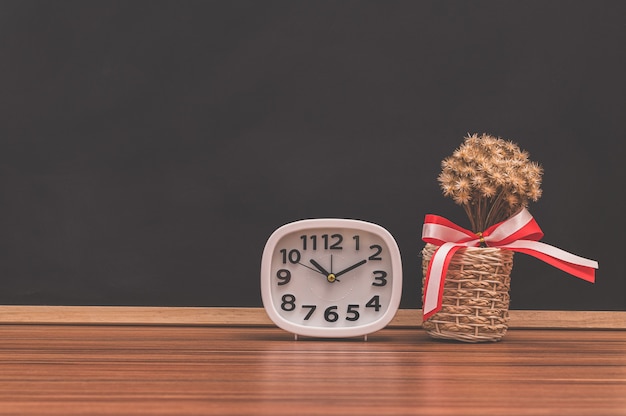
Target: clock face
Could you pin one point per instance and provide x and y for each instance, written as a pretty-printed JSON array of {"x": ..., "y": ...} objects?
[{"x": 331, "y": 277}]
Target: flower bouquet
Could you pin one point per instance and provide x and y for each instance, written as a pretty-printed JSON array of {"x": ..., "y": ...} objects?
[
  {"x": 491, "y": 178},
  {"x": 467, "y": 273}
]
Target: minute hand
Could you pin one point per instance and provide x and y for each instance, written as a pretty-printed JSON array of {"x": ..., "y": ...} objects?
[{"x": 354, "y": 266}]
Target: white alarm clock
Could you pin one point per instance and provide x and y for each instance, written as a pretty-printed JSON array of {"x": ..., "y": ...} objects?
[{"x": 331, "y": 277}]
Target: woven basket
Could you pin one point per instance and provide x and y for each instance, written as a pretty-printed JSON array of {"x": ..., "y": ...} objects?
[{"x": 475, "y": 295}]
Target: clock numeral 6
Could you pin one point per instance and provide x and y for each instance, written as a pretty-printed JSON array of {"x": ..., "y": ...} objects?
[{"x": 330, "y": 315}]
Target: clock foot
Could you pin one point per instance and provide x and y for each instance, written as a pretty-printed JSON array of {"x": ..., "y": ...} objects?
[
  {"x": 295, "y": 337},
  {"x": 364, "y": 338}
]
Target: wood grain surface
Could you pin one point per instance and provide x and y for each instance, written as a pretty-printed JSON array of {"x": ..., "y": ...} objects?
[
  {"x": 143, "y": 315},
  {"x": 172, "y": 370}
]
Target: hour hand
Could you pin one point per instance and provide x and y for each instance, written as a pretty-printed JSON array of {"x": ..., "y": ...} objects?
[
  {"x": 319, "y": 267},
  {"x": 329, "y": 276}
]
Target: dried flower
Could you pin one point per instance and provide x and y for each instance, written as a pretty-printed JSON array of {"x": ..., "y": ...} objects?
[{"x": 491, "y": 178}]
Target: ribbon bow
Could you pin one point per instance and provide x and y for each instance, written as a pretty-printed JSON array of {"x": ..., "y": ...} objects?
[{"x": 519, "y": 233}]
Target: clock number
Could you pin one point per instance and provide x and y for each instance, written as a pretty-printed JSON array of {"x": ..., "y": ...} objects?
[
  {"x": 334, "y": 246},
  {"x": 374, "y": 303},
  {"x": 381, "y": 278},
  {"x": 330, "y": 315},
  {"x": 355, "y": 314},
  {"x": 284, "y": 276},
  {"x": 376, "y": 256},
  {"x": 289, "y": 303},
  {"x": 313, "y": 242},
  {"x": 293, "y": 256},
  {"x": 356, "y": 239},
  {"x": 310, "y": 312}
]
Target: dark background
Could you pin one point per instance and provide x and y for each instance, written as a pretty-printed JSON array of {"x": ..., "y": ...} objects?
[{"x": 148, "y": 149}]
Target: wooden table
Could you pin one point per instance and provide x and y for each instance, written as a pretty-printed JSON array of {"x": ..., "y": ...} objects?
[{"x": 179, "y": 370}]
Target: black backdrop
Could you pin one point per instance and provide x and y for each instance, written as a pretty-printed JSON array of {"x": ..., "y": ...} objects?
[{"x": 150, "y": 148}]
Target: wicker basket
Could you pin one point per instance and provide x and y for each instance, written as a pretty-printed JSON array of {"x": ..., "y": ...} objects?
[{"x": 475, "y": 296}]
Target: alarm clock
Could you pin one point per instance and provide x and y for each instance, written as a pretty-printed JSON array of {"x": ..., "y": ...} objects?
[{"x": 331, "y": 277}]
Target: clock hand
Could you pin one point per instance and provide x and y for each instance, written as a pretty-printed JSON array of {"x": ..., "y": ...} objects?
[
  {"x": 319, "y": 267},
  {"x": 329, "y": 276},
  {"x": 347, "y": 269}
]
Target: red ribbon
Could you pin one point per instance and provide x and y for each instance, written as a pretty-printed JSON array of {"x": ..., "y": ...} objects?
[{"x": 520, "y": 233}]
